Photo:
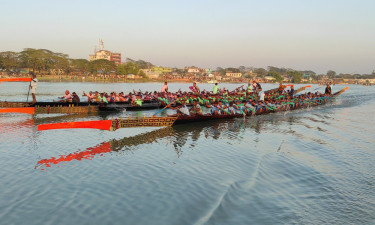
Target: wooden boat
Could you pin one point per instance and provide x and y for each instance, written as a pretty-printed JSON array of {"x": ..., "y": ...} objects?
[
  {"x": 165, "y": 121},
  {"x": 198, "y": 118}
]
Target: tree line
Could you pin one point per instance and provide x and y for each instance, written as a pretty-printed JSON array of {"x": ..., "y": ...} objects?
[
  {"x": 294, "y": 76},
  {"x": 43, "y": 61}
]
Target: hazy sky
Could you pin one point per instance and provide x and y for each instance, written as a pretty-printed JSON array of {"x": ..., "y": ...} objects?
[{"x": 300, "y": 34}]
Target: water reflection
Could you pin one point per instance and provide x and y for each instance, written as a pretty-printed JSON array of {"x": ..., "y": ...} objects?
[{"x": 186, "y": 135}]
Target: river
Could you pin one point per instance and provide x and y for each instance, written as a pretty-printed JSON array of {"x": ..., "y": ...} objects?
[{"x": 312, "y": 166}]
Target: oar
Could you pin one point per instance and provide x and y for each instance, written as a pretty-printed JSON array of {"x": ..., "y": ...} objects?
[
  {"x": 27, "y": 110},
  {"x": 306, "y": 87},
  {"x": 98, "y": 124},
  {"x": 165, "y": 107},
  {"x": 15, "y": 80},
  {"x": 224, "y": 111},
  {"x": 317, "y": 88},
  {"x": 27, "y": 99}
]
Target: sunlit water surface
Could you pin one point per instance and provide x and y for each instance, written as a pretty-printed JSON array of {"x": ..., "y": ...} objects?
[{"x": 313, "y": 166}]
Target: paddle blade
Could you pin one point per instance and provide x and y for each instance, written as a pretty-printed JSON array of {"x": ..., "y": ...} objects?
[
  {"x": 15, "y": 80},
  {"x": 27, "y": 110},
  {"x": 99, "y": 124}
]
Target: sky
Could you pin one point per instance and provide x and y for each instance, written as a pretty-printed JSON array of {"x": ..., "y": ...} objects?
[{"x": 299, "y": 34}]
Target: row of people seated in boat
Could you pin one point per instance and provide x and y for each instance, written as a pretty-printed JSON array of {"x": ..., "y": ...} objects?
[
  {"x": 121, "y": 97},
  {"x": 73, "y": 98},
  {"x": 247, "y": 106}
]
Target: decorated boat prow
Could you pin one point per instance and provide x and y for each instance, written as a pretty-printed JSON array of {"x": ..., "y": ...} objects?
[{"x": 112, "y": 125}]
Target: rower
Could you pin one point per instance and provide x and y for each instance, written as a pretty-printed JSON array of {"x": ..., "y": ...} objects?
[
  {"x": 195, "y": 89},
  {"x": 216, "y": 88},
  {"x": 232, "y": 108},
  {"x": 328, "y": 90},
  {"x": 215, "y": 109},
  {"x": 256, "y": 87},
  {"x": 90, "y": 96},
  {"x": 261, "y": 95},
  {"x": 291, "y": 92},
  {"x": 138, "y": 101},
  {"x": 67, "y": 97},
  {"x": 164, "y": 88},
  {"x": 102, "y": 98},
  {"x": 181, "y": 108},
  {"x": 249, "y": 88},
  {"x": 75, "y": 98},
  {"x": 281, "y": 88},
  {"x": 196, "y": 109}
]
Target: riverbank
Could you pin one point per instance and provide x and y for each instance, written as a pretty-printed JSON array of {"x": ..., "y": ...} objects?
[{"x": 123, "y": 79}]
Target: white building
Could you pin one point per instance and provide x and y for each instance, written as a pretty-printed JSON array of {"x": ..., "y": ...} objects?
[{"x": 230, "y": 74}]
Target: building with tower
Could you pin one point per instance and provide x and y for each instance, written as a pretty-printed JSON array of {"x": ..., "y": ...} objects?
[{"x": 105, "y": 54}]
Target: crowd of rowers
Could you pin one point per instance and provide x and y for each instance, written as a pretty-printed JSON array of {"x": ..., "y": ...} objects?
[
  {"x": 250, "y": 99},
  {"x": 246, "y": 106},
  {"x": 137, "y": 98}
]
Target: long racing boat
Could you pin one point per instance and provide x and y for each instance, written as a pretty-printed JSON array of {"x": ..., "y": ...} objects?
[{"x": 154, "y": 121}]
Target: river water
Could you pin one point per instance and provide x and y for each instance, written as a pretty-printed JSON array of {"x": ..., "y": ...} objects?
[{"x": 313, "y": 166}]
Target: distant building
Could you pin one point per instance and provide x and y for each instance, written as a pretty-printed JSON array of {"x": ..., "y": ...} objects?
[
  {"x": 150, "y": 74},
  {"x": 269, "y": 78},
  {"x": 208, "y": 70},
  {"x": 231, "y": 74},
  {"x": 192, "y": 69},
  {"x": 251, "y": 74},
  {"x": 161, "y": 70},
  {"x": 105, "y": 54}
]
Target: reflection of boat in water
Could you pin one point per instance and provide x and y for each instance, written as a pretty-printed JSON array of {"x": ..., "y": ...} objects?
[
  {"x": 169, "y": 121},
  {"x": 212, "y": 81},
  {"x": 105, "y": 147},
  {"x": 178, "y": 136}
]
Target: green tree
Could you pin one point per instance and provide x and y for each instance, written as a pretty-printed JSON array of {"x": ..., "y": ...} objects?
[
  {"x": 43, "y": 60},
  {"x": 142, "y": 74},
  {"x": 128, "y": 68},
  {"x": 120, "y": 70},
  {"x": 331, "y": 74},
  {"x": 295, "y": 76},
  {"x": 143, "y": 64},
  {"x": 131, "y": 68},
  {"x": 279, "y": 70},
  {"x": 102, "y": 65},
  {"x": 9, "y": 60},
  {"x": 220, "y": 70},
  {"x": 276, "y": 75},
  {"x": 82, "y": 65},
  {"x": 233, "y": 70},
  {"x": 242, "y": 69},
  {"x": 260, "y": 72}
]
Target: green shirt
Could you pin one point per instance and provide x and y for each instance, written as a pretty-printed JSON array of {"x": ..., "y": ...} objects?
[
  {"x": 138, "y": 102},
  {"x": 216, "y": 88}
]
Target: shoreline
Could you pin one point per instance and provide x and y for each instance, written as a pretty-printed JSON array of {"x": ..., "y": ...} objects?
[{"x": 79, "y": 79}]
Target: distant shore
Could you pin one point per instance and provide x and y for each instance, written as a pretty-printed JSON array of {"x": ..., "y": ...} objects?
[{"x": 98, "y": 79}]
